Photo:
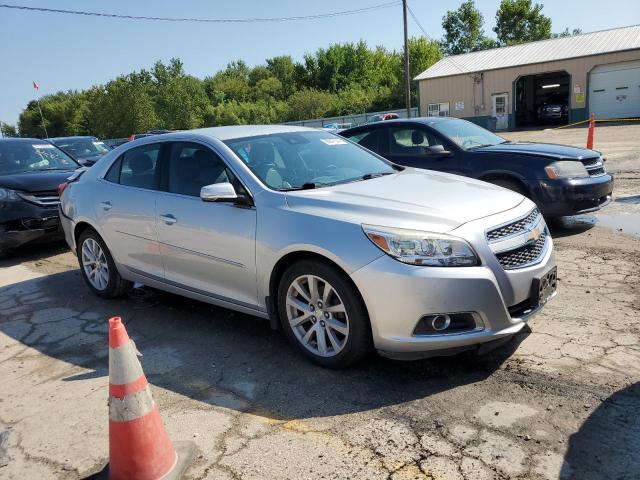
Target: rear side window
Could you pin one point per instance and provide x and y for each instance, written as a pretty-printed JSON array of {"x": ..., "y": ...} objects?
[
  {"x": 138, "y": 167},
  {"x": 369, "y": 139}
]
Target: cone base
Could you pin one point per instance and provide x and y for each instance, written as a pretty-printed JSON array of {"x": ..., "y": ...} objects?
[{"x": 185, "y": 450}]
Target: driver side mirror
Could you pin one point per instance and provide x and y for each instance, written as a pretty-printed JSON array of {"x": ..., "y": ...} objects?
[
  {"x": 218, "y": 192},
  {"x": 438, "y": 150}
]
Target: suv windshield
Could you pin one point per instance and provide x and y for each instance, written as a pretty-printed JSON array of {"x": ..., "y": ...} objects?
[
  {"x": 82, "y": 147},
  {"x": 300, "y": 160},
  {"x": 466, "y": 135},
  {"x": 22, "y": 157}
]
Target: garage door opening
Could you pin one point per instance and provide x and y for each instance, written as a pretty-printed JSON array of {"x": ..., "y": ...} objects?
[{"x": 542, "y": 99}]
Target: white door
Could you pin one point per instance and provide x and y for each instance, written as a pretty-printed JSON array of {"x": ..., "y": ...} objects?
[
  {"x": 614, "y": 90},
  {"x": 499, "y": 110}
]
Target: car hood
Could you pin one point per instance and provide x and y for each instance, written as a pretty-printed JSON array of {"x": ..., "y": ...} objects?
[
  {"x": 415, "y": 199},
  {"x": 36, "y": 181},
  {"x": 548, "y": 150}
]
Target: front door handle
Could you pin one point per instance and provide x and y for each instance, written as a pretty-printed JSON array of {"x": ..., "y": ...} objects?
[
  {"x": 106, "y": 205},
  {"x": 169, "y": 219}
]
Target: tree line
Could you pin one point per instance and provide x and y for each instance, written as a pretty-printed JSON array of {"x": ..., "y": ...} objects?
[{"x": 343, "y": 79}]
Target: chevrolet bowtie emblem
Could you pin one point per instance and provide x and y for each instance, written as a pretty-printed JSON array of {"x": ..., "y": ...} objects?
[{"x": 534, "y": 234}]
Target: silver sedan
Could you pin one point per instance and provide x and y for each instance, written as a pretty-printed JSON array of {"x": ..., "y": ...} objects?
[{"x": 342, "y": 249}]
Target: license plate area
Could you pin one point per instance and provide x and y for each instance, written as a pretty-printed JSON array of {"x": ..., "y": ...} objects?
[{"x": 543, "y": 287}]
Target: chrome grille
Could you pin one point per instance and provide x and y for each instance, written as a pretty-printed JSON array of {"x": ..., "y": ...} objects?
[
  {"x": 520, "y": 257},
  {"x": 594, "y": 166},
  {"x": 513, "y": 228},
  {"x": 590, "y": 162},
  {"x": 48, "y": 198}
]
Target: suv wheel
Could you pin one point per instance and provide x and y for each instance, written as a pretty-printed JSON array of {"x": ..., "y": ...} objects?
[
  {"x": 98, "y": 268},
  {"x": 322, "y": 314}
]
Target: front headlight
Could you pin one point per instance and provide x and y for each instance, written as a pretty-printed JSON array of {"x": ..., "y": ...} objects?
[
  {"x": 8, "y": 195},
  {"x": 422, "y": 248},
  {"x": 566, "y": 170}
]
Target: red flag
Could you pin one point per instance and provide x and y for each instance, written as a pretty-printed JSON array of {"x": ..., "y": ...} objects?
[{"x": 36, "y": 86}]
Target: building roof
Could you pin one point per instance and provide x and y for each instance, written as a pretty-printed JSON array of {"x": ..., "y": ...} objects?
[{"x": 582, "y": 45}]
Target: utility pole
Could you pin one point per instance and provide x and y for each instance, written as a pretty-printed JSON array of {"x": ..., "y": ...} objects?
[
  {"x": 407, "y": 80},
  {"x": 42, "y": 118}
]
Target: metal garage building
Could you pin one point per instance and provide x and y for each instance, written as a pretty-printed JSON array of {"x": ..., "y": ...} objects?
[{"x": 558, "y": 80}]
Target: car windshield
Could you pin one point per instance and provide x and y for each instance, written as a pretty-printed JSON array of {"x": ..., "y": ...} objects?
[
  {"x": 307, "y": 159},
  {"x": 467, "y": 135},
  {"x": 22, "y": 157},
  {"x": 82, "y": 147}
]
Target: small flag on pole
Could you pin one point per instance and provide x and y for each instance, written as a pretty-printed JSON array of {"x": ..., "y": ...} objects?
[{"x": 36, "y": 86}]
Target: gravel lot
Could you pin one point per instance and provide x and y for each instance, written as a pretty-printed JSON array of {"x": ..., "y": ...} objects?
[{"x": 561, "y": 400}]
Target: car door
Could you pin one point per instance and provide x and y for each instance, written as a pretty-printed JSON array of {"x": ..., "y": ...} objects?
[
  {"x": 208, "y": 247},
  {"x": 416, "y": 146},
  {"x": 126, "y": 209}
]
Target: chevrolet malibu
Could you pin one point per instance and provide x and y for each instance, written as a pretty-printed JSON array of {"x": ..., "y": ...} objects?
[{"x": 342, "y": 249}]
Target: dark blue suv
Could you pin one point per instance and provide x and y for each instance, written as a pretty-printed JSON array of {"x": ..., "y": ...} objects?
[{"x": 560, "y": 179}]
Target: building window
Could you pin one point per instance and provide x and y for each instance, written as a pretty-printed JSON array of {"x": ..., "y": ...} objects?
[{"x": 438, "y": 109}]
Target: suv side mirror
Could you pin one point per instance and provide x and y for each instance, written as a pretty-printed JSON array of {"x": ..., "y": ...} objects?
[
  {"x": 218, "y": 192},
  {"x": 438, "y": 150}
]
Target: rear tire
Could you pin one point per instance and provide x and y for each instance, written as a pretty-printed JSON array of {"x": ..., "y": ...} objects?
[
  {"x": 512, "y": 185},
  {"x": 323, "y": 315},
  {"x": 98, "y": 268}
]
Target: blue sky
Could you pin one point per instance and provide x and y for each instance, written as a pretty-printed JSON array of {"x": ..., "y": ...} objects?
[{"x": 63, "y": 52}]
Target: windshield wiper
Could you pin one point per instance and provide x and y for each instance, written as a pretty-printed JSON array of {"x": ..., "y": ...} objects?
[
  {"x": 369, "y": 176},
  {"x": 475, "y": 147}
]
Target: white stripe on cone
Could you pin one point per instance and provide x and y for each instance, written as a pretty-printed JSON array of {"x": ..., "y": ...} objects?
[
  {"x": 124, "y": 366},
  {"x": 132, "y": 406}
]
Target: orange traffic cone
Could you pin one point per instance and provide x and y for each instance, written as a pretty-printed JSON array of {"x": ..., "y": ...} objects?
[
  {"x": 139, "y": 446},
  {"x": 592, "y": 127}
]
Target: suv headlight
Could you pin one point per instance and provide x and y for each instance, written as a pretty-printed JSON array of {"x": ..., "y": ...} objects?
[
  {"x": 566, "y": 170},
  {"x": 422, "y": 248},
  {"x": 8, "y": 195}
]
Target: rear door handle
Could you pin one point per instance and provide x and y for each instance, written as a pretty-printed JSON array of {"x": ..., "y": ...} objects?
[
  {"x": 106, "y": 205},
  {"x": 169, "y": 219}
]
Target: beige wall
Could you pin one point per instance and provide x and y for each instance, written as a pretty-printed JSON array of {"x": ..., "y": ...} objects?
[{"x": 460, "y": 88}]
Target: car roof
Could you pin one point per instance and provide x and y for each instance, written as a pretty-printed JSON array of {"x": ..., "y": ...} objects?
[
  {"x": 241, "y": 131},
  {"x": 403, "y": 121},
  {"x": 22, "y": 140},
  {"x": 73, "y": 137}
]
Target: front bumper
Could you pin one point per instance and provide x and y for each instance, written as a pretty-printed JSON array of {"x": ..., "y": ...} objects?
[
  {"x": 22, "y": 222},
  {"x": 573, "y": 196},
  {"x": 398, "y": 295}
]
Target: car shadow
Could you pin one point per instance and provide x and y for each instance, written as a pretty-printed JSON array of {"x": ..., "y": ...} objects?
[
  {"x": 32, "y": 251},
  {"x": 568, "y": 226},
  {"x": 218, "y": 356},
  {"x": 607, "y": 445}
]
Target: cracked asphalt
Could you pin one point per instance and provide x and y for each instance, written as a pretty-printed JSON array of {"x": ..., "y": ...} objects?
[{"x": 560, "y": 401}]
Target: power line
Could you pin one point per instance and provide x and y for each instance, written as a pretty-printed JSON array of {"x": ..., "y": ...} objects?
[
  {"x": 415, "y": 19},
  {"x": 205, "y": 20}
]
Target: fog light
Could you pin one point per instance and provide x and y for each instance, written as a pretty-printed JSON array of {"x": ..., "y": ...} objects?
[
  {"x": 446, "y": 323},
  {"x": 440, "y": 322}
]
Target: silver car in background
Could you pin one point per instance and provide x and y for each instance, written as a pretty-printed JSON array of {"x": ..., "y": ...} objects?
[{"x": 342, "y": 249}]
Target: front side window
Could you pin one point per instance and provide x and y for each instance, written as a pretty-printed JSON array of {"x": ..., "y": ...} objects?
[
  {"x": 193, "y": 166},
  {"x": 467, "y": 135},
  {"x": 409, "y": 141},
  {"x": 24, "y": 157},
  {"x": 306, "y": 159},
  {"x": 137, "y": 168}
]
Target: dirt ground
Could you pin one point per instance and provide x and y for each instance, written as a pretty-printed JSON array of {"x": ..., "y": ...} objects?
[{"x": 562, "y": 400}]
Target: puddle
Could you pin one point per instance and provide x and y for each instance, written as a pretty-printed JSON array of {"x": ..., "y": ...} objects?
[
  {"x": 626, "y": 223},
  {"x": 633, "y": 200}
]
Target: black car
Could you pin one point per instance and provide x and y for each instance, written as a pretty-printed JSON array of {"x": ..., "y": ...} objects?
[
  {"x": 30, "y": 172},
  {"x": 561, "y": 180},
  {"x": 553, "y": 109},
  {"x": 84, "y": 150}
]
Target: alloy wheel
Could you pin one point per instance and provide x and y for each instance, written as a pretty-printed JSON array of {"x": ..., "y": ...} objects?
[
  {"x": 94, "y": 263},
  {"x": 317, "y": 315}
]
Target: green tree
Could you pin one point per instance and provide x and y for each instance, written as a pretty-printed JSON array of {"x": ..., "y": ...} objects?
[
  {"x": 520, "y": 21},
  {"x": 284, "y": 69},
  {"x": 463, "y": 30},
  {"x": 308, "y": 104},
  {"x": 8, "y": 130}
]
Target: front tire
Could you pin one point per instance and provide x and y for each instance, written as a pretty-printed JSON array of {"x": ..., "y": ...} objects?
[
  {"x": 98, "y": 268},
  {"x": 512, "y": 185},
  {"x": 322, "y": 314}
]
